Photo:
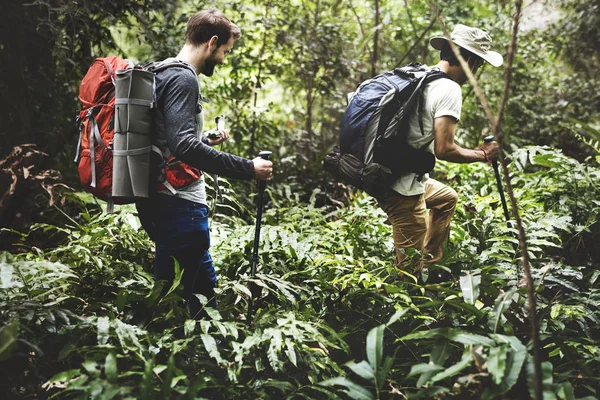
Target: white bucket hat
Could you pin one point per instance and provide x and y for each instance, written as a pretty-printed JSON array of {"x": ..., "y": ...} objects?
[{"x": 475, "y": 40}]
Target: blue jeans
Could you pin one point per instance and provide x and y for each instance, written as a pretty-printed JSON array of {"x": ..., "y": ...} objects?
[{"x": 180, "y": 230}]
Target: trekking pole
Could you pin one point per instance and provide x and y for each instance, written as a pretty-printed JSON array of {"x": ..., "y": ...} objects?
[
  {"x": 499, "y": 184},
  {"x": 259, "y": 210}
]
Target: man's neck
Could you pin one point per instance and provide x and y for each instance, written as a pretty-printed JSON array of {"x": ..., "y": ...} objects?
[
  {"x": 194, "y": 55},
  {"x": 454, "y": 72}
]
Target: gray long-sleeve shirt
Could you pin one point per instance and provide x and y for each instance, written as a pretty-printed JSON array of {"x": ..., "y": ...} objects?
[{"x": 178, "y": 127}]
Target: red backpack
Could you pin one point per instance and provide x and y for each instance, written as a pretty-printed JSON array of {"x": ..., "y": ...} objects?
[
  {"x": 96, "y": 126},
  {"x": 96, "y": 122}
]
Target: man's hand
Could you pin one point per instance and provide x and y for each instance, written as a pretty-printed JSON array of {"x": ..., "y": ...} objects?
[
  {"x": 263, "y": 169},
  {"x": 491, "y": 151},
  {"x": 217, "y": 136}
]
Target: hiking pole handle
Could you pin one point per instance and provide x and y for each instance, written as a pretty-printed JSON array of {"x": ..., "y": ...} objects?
[
  {"x": 489, "y": 139},
  {"x": 265, "y": 155}
]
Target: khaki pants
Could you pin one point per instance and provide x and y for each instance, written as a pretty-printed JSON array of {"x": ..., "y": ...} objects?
[{"x": 422, "y": 221}]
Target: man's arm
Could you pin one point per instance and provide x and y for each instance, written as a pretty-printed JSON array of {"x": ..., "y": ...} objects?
[
  {"x": 179, "y": 107},
  {"x": 444, "y": 129},
  {"x": 263, "y": 169}
]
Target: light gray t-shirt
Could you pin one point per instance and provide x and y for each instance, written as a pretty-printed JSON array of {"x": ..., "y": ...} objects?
[{"x": 443, "y": 97}]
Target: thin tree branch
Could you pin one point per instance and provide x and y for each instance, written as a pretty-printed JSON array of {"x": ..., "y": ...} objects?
[
  {"x": 375, "y": 41},
  {"x": 416, "y": 43},
  {"x": 410, "y": 20},
  {"x": 508, "y": 75},
  {"x": 358, "y": 21},
  {"x": 258, "y": 84}
]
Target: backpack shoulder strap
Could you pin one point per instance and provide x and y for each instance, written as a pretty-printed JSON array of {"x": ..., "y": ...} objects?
[
  {"x": 158, "y": 66},
  {"x": 430, "y": 76}
]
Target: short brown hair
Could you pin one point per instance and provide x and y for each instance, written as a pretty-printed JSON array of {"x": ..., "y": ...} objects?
[{"x": 208, "y": 23}]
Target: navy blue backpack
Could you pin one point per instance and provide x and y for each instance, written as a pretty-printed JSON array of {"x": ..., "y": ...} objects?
[{"x": 373, "y": 149}]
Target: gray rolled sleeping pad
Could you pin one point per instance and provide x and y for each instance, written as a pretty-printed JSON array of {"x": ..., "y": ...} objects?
[{"x": 134, "y": 101}]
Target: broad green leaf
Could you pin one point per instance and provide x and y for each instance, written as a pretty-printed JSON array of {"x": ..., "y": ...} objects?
[
  {"x": 189, "y": 326},
  {"x": 168, "y": 377},
  {"x": 566, "y": 391},
  {"x": 439, "y": 355},
  {"x": 326, "y": 393},
  {"x": 176, "y": 380},
  {"x": 290, "y": 351},
  {"x": 282, "y": 386},
  {"x": 548, "y": 160},
  {"x": 275, "y": 345},
  {"x": 514, "y": 361},
  {"x": 467, "y": 360},
  {"x": 92, "y": 368},
  {"x": 375, "y": 346},
  {"x": 502, "y": 304},
  {"x": 210, "y": 344},
  {"x": 129, "y": 336},
  {"x": 547, "y": 386},
  {"x": 466, "y": 307},
  {"x": 362, "y": 369},
  {"x": 213, "y": 313},
  {"x": 177, "y": 280},
  {"x": 65, "y": 376},
  {"x": 354, "y": 390},
  {"x": 6, "y": 275},
  {"x": 497, "y": 362},
  {"x": 110, "y": 367},
  {"x": 469, "y": 285},
  {"x": 455, "y": 335},
  {"x": 132, "y": 221},
  {"x": 383, "y": 371},
  {"x": 121, "y": 300},
  {"x": 8, "y": 338},
  {"x": 397, "y": 315},
  {"x": 424, "y": 368},
  {"x": 159, "y": 369},
  {"x": 103, "y": 326},
  {"x": 594, "y": 277}
]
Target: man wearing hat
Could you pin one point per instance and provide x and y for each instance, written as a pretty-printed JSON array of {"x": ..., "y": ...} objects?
[{"x": 420, "y": 208}]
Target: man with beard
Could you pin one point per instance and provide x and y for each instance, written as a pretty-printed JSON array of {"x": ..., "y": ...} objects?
[{"x": 176, "y": 215}]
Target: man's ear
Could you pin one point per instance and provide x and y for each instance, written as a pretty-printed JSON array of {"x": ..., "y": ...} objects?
[{"x": 212, "y": 43}]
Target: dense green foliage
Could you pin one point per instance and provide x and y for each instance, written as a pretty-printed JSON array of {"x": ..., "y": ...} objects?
[
  {"x": 81, "y": 316},
  {"x": 333, "y": 316}
]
